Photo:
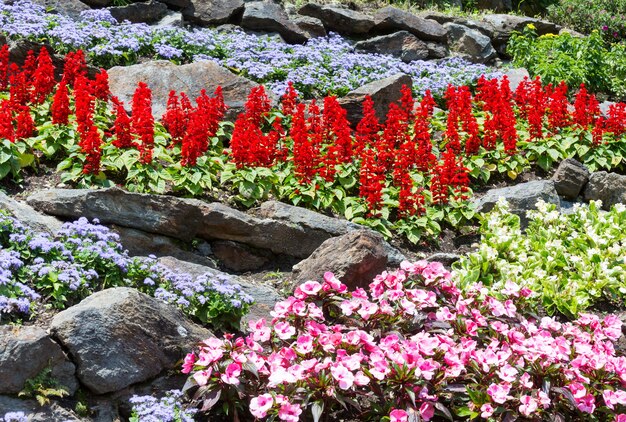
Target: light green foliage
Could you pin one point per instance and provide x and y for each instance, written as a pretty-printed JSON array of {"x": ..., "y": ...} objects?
[
  {"x": 43, "y": 387},
  {"x": 570, "y": 261},
  {"x": 606, "y": 16}
]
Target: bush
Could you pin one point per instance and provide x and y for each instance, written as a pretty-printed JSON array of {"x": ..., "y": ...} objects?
[
  {"x": 572, "y": 261},
  {"x": 606, "y": 16},
  {"x": 575, "y": 60},
  {"x": 412, "y": 347}
]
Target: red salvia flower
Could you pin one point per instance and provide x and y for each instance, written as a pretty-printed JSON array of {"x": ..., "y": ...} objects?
[
  {"x": 336, "y": 130},
  {"x": 100, "y": 84},
  {"x": 289, "y": 100},
  {"x": 558, "y": 108},
  {"x": 30, "y": 64},
  {"x": 367, "y": 129},
  {"x": 75, "y": 66},
  {"x": 407, "y": 104},
  {"x": 616, "y": 121},
  {"x": 19, "y": 89},
  {"x": 175, "y": 118},
  {"x": 586, "y": 108},
  {"x": 91, "y": 144},
  {"x": 7, "y": 131},
  {"x": 304, "y": 155},
  {"x": 61, "y": 105},
  {"x": 195, "y": 141},
  {"x": 25, "y": 125},
  {"x": 4, "y": 67},
  {"x": 143, "y": 121},
  {"x": 122, "y": 126},
  {"x": 395, "y": 134},
  {"x": 43, "y": 77},
  {"x": 84, "y": 104},
  {"x": 599, "y": 128},
  {"x": 371, "y": 180}
]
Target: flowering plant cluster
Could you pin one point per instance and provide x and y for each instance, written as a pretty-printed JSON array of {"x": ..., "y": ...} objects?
[
  {"x": 37, "y": 269},
  {"x": 607, "y": 16},
  {"x": 166, "y": 409},
  {"x": 322, "y": 66},
  {"x": 14, "y": 417},
  {"x": 570, "y": 260},
  {"x": 412, "y": 347},
  {"x": 394, "y": 175}
]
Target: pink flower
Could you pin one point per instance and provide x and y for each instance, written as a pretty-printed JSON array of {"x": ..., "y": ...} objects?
[
  {"x": 444, "y": 314},
  {"x": 611, "y": 398},
  {"x": 333, "y": 282},
  {"x": 190, "y": 359},
  {"x": 284, "y": 330},
  {"x": 202, "y": 377},
  {"x": 499, "y": 392},
  {"x": 587, "y": 404},
  {"x": 398, "y": 415},
  {"x": 231, "y": 376},
  {"x": 528, "y": 405},
  {"x": 310, "y": 287},
  {"x": 486, "y": 411},
  {"x": 289, "y": 412},
  {"x": 578, "y": 390},
  {"x": 260, "y": 405},
  {"x": 621, "y": 417},
  {"x": 343, "y": 376},
  {"x": 427, "y": 410},
  {"x": 304, "y": 344},
  {"x": 507, "y": 373}
]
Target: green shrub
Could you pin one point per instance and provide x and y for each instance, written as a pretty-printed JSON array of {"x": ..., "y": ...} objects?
[
  {"x": 574, "y": 60},
  {"x": 571, "y": 261},
  {"x": 606, "y": 16}
]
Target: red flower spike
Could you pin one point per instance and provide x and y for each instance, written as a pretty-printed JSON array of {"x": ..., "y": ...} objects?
[
  {"x": 175, "y": 118},
  {"x": 7, "y": 131},
  {"x": 84, "y": 104},
  {"x": 4, "y": 67},
  {"x": 143, "y": 121},
  {"x": 371, "y": 180},
  {"x": 91, "y": 144},
  {"x": 61, "y": 105},
  {"x": 122, "y": 126},
  {"x": 43, "y": 77},
  {"x": 19, "y": 87},
  {"x": 289, "y": 100},
  {"x": 25, "y": 125},
  {"x": 100, "y": 84},
  {"x": 586, "y": 108},
  {"x": 75, "y": 66},
  {"x": 367, "y": 129}
]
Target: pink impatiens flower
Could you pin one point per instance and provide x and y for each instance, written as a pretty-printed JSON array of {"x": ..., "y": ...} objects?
[
  {"x": 284, "y": 330},
  {"x": 528, "y": 405},
  {"x": 486, "y": 411},
  {"x": 398, "y": 415},
  {"x": 289, "y": 412},
  {"x": 190, "y": 359},
  {"x": 499, "y": 392},
  {"x": 260, "y": 405},
  {"x": 310, "y": 288},
  {"x": 231, "y": 375},
  {"x": 343, "y": 376},
  {"x": 427, "y": 411}
]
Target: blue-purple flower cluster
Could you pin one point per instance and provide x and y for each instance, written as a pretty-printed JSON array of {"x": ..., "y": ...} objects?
[
  {"x": 166, "y": 409},
  {"x": 83, "y": 257},
  {"x": 14, "y": 417},
  {"x": 322, "y": 66}
]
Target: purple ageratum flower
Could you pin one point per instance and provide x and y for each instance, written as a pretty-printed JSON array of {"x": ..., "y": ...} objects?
[
  {"x": 166, "y": 409},
  {"x": 14, "y": 417}
]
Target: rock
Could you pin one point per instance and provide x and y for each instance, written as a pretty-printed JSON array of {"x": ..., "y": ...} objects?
[
  {"x": 170, "y": 20},
  {"x": 571, "y": 32},
  {"x": 37, "y": 413},
  {"x": 447, "y": 259},
  {"x": 311, "y": 26},
  {"x": 118, "y": 337},
  {"x": 355, "y": 258},
  {"x": 280, "y": 228},
  {"x": 516, "y": 76},
  {"x": 521, "y": 198},
  {"x": 18, "y": 50},
  {"x": 270, "y": 17},
  {"x": 28, "y": 216},
  {"x": 469, "y": 43},
  {"x": 98, "y": 3},
  {"x": 338, "y": 19},
  {"x": 265, "y": 297},
  {"x": 212, "y": 12},
  {"x": 71, "y": 8},
  {"x": 436, "y": 16},
  {"x": 163, "y": 76},
  {"x": 391, "y": 19},
  {"x": 25, "y": 352},
  {"x": 610, "y": 188},
  {"x": 383, "y": 93},
  {"x": 149, "y": 12},
  {"x": 605, "y": 106},
  {"x": 436, "y": 50},
  {"x": 495, "y": 5},
  {"x": 239, "y": 257},
  {"x": 140, "y": 243},
  {"x": 503, "y": 26},
  {"x": 570, "y": 178},
  {"x": 402, "y": 44}
]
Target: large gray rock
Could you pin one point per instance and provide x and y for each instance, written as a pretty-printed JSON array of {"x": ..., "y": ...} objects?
[
  {"x": 401, "y": 44},
  {"x": 311, "y": 26},
  {"x": 35, "y": 413},
  {"x": 610, "y": 188},
  {"x": 71, "y": 8},
  {"x": 355, "y": 258},
  {"x": 28, "y": 216},
  {"x": 212, "y": 12},
  {"x": 470, "y": 44},
  {"x": 270, "y": 17},
  {"x": 149, "y": 12},
  {"x": 170, "y": 20},
  {"x": 118, "y": 337},
  {"x": 516, "y": 77},
  {"x": 570, "y": 178},
  {"x": 338, "y": 19},
  {"x": 279, "y": 228},
  {"x": 239, "y": 257},
  {"x": 391, "y": 19},
  {"x": 265, "y": 297},
  {"x": 163, "y": 76},
  {"x": 25, "y": 352},
  {"x": 503, "y": 25},
  {"x": 383, "y": 93},
  {"x": 521, "y": 198}
]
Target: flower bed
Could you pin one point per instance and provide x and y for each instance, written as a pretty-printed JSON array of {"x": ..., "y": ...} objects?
[
  {"x": 572, "y": 261},
  {"x": 411, "y": 347},
  {"x": 38, "y": 271},
  {"x": 322, "y": 66},
  {"x": 397, "y": 176}
]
